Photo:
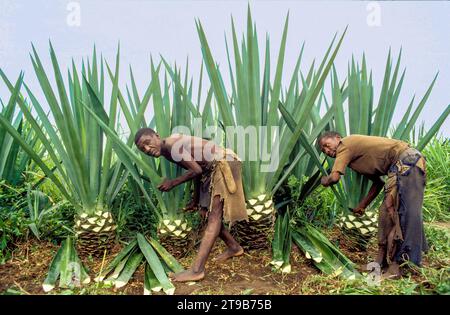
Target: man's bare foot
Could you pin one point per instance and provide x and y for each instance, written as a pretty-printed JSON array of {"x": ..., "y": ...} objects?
[
  {"x": 393, "y": 272},
  {"x": 390, "y": 276},
  {"x": 187, "y": 275},
  {"x": 230, "y": 252},
  {"x": 361, "y": 267}
]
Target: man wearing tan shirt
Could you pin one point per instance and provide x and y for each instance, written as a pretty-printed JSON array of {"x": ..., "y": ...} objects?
[{"x": 400, "y": 228}]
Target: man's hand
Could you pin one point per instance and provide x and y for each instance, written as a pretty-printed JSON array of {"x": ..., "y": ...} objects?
[
  {"x": 359, "y": 211},
  {"x": 203, "y": 213},
  {"x": 332, "y": 179},
  {"x": 166, "y": 185},
  {"x": 191, "y": 206},
  {"x": 325, "y": 181}
]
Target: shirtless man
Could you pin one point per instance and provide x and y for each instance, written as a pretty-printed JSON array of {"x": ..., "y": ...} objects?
[
  {"x": 400, "y": 228},
  {"x": 218, "y": 189}
]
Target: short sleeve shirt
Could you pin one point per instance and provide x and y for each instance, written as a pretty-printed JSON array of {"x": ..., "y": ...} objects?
[{"x": 367, "y": 155}]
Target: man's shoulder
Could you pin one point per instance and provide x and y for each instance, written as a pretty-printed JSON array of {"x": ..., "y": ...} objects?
[
  {"x": 353, "y": 142},
  {"x": 175, "y": 137},
  {"x": 356, "y": 137}
]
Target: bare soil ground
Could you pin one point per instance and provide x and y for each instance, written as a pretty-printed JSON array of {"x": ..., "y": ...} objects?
[{"x": 247, "y": 274}]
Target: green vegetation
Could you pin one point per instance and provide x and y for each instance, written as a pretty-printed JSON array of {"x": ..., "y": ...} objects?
[{"x": 73, "y": 183}]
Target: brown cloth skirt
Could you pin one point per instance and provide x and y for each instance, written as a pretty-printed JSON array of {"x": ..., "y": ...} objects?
[
  {"x": 400, "y": 226},
  {"x": 223, "y": 178}
]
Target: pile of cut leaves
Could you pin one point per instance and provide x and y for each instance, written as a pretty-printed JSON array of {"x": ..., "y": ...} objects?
[
  {"x": 158, "y": 264},
  {"x": 67, "y": 266},
  {"x": 325, "y": 256}
]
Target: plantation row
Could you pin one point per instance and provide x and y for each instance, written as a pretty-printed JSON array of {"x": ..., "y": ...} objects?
[{"x": 70, "y": 141}]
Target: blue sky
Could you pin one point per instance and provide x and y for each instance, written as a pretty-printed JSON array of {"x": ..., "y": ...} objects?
[{"x": 168, "y": 27}]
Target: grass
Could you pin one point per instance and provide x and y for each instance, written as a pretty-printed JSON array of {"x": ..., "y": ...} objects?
[
  {"x": 437, "y": 192},
  {"x": 427, "y": 281},
  {"x": 438, "y": 236},
  {"x": 432, "y": 278}
]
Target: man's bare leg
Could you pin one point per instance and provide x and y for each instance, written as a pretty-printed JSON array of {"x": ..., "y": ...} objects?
[
  {"x": 197, "y": 271},
  {"x": 233, "y": 247},
  {"x": 381, "y": 256},
  {"x": 385, "y": 228}
]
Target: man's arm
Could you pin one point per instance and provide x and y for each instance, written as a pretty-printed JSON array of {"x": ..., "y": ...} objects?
[
  {"x": 193, "y": 170},
  {"x": 192, "y": 205},
  {"x": 377, "y": 186},
  {"x": 343, "y": 158},
  {"x": 331, "y": 179},
  {"x": 196, "y": 195}
]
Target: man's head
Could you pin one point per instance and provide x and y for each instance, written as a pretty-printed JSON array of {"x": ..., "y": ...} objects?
[
  {"x": 328, "y": 142},
  {"x": 148, "y": 141}
]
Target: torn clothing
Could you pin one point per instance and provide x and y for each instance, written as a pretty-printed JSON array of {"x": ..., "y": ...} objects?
[
  {"x": 400, "y": 228},
  {"x": 222, "y": 177}
]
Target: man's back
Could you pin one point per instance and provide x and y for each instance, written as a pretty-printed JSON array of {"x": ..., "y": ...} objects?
[
  {"x": 368, "y": 155},
  {"x": 199, "y": 150}
]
